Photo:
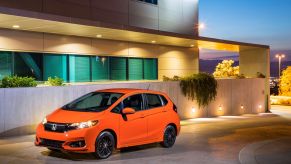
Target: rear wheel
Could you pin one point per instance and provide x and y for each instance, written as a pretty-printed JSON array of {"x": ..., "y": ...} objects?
[
  {"x": 170, "y": 135},
  {"x": 104, "y": 145}
]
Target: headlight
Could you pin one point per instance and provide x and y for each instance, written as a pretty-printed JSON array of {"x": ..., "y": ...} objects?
[
  {"x": 44, "y": 121},
  {"x": 83, "y": 125}
]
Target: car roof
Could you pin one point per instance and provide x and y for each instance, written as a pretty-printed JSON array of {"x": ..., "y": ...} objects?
[{"x": 128, "y": 90}]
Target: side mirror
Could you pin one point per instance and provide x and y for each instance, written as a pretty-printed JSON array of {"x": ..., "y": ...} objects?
[{"x": 128, "y": 111}]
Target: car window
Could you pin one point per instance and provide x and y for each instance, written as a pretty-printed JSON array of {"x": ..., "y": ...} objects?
[
  {"x": 165, "y": 101},
  {"x": 153, "y": 101},
  {"x": 134, "y": 102}
]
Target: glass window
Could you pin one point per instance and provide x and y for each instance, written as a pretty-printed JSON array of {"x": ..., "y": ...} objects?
[
  {"x": 28, "y": 65},
  {"x": 118, "y": 68},
  {"x": 93, "y": 102},
  {"x": 153, "y": 101},
  {"x": 155, "y": 2},
  {"x": 150, "y": 69},
  {"x": 134, "y": 102},
  {"x": 5, "y": 64},
  {"x": 135, "y": 69},
  {"x": 100, "y": 68},
  {"x": 55, "y": 65},
  {"x": 79, "y": 69}
]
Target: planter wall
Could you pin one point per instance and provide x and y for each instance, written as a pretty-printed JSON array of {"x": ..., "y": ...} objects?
[{"x": 21, "y": 109}]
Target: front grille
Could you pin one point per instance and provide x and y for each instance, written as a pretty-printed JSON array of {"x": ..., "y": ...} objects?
[
  {"x": 57, "y": 127},
  {"x": 51, "y": 143}
]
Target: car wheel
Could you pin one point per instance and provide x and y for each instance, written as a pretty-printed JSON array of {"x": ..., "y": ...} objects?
[
  {"x": 104, "y": 145},
  {"x": 169, "y": 137}
]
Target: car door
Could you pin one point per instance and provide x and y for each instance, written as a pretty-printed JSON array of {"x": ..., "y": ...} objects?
[
  {"x": 155, "y": 116},
  {"x": 133, "y": 127}
]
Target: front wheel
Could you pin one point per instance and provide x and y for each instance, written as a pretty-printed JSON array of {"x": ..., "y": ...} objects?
[
  {"x": 104, "y": 145},
  {"x": 170, "y": 135}
]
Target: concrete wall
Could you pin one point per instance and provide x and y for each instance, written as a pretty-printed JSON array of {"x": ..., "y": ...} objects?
[
  {"x": 171, "y": 60},
  {"x": 22, "y": 108},
  {"x": 178, "y": 16}
]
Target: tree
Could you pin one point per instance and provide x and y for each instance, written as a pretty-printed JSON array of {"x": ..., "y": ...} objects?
[
  {"x": 226, "y": 69},
  {"x": 285, "y": 82}
]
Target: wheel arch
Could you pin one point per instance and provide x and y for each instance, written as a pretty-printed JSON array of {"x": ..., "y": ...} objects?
[{"x": 113, "y": 133}]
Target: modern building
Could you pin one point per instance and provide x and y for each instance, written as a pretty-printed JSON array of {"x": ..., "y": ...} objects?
[{"x": 93, "y": 40}]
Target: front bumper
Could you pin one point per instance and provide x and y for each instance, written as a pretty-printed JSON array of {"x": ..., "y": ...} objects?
[{"x": 68, "y": 141}]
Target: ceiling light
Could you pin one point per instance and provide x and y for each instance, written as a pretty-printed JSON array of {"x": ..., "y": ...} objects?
[
  {"x": 15, "y": 26},
  {"x": 99, "y": 36},
  {"x": 154, "y": 41},
  {"x": 192, "y": 45}
]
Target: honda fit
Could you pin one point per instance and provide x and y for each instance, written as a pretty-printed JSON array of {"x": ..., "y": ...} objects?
[{"x": 102, "y": 121}]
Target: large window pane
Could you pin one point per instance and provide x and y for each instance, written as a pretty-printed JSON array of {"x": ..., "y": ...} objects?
[
  {"x": 118, "y": 68},
  {"x": 100, "y": 68},
  {"x": 55, "y": 66},
  {"x": 79, "y": 69},
  {"x": 150, "y": 69},
  {"x": 5, "y": 64},
  {"x": 135, "y": 69},
  {"x": 28, "y": 65}
]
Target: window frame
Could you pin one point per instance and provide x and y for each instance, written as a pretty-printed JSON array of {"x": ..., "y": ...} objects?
[{"x": 122, "y": 104}]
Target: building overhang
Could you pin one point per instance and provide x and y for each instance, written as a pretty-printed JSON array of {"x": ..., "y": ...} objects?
[{"x": 53, "y": 24}]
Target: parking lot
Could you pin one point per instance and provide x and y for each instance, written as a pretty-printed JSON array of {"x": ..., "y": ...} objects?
[{"x": 233, "y": 139}]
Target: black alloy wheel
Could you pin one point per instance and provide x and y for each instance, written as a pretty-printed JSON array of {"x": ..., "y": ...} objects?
[
  {"x": 104, "y": 146},
  {"x": 170, "y": 135}
]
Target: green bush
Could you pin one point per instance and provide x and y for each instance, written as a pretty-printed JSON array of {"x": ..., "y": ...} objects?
[
  {"x": 16, "y": 82},
  {"x": 56, "y": 81},
  {"x": 202, "y": 87},
  {"x": 175, "y": 78}
]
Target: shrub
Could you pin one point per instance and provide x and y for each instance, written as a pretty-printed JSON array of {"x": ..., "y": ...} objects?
[
  {"x": 16, "y": 81},
  {"x": 226, "y": 69},
  {"x": 175, "y": 78},
  {"x": 56, "y": 81},
  {"x": 202, "y": 87},
  {"x": 285, "y": 82}
]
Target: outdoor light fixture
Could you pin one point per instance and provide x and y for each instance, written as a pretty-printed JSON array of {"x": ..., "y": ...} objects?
[
  {"x": 153, "y": 41},
  {"x": 99, "y": 36},
  {"x": 220, "y": 108},
  {"x": 192, "y": 45},
  {"x": 280, "y": 57},
  {"x": 193, "y": 110},
  {"x": 242, "y": 107},
  {"x": 15, "y": 26},
  {"x": 260, "y": 106}
]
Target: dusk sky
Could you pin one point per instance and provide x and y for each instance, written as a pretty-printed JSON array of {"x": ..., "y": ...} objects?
[{"x": 255, "y": 21}]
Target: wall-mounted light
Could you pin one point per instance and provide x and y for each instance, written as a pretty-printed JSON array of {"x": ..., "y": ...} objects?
[
  {"x": 242, "y": 107},
  {"x": 99, "y": 36},
  {"x": 193, "y": 110},
  {"x": 220, "y": 108},
  {"x": 16, "y": 26},
  {"x": 260, "y": 106}
]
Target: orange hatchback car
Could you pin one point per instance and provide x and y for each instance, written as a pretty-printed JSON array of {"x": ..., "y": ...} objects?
[{"x": 102, "y": 121}]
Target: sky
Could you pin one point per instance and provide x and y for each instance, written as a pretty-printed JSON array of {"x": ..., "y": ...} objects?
[{"x": 255, "y": 21}]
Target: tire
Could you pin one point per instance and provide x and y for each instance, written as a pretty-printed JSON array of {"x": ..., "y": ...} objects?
[
  {"x": 170, "y": 135},
  {"x": 104, "y": 146}
]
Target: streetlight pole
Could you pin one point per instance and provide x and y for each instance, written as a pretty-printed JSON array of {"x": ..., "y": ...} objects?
[{"x": 280, "y": 57}]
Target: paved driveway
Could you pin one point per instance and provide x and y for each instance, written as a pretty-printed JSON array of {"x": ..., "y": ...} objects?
[{"x": 215, "y": 140}]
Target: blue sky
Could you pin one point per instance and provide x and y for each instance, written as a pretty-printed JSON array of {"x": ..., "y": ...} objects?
[{"x": 255, "y": 21}]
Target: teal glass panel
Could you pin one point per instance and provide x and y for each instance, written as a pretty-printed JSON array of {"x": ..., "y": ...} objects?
[
  {"x": 100, "y": 68},
  {"x": 118, "y": 68},
  {"x": 79, "y": 68},
  {"x": 150, "y": 69},
  {"x": 135, "y": 69},
  {"x": 55, "y": 66},
  {"x": 5, "y": 64},
  {"x": 28, "y": 65}
]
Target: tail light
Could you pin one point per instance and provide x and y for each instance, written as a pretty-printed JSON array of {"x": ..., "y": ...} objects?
[{"x": 175, "y": 108}]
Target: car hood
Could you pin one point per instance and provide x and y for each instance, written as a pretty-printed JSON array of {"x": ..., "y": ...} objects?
[{"x": 66, "y": 116}]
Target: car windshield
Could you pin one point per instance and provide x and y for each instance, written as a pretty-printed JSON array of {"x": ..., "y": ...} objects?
[{"x": 93, "y": 102}]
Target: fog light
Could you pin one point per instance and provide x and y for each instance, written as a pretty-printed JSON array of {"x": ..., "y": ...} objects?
[{"x": 77, "y": 144}]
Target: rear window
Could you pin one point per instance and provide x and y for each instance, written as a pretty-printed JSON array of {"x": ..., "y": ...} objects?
[
  {"x": 153, "y": 101},
  {"x": 165, "y": 101}
]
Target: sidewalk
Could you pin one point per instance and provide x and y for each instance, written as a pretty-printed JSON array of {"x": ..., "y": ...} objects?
[{"x": 267, "y": 152}]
